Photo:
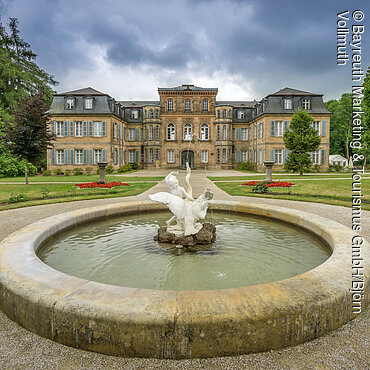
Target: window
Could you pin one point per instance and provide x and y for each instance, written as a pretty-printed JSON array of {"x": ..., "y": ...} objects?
[
  {"x": 261, "y": 130},
  {"x": 88, "y": 103},
  {"x": 60, "y": 156},
  {"x": 244, "y": 134},
  {"x": 287, "y": 103},
  {"x": 316, "y": 126},
  {"x": 224, "y": 156},
  {"x": 115, "y": 130},
  {"x": 131, "y": 134},
  {"x": 224, "y": 132},
  {"x": 170, "y": 131},
  {"x": 156, "y": 133},
  {"x": 171, "y": 156},
  {"x": 70, "y": 103},
  {"x": 170, "y": 105},
  {"x": 218, "y": 113},
  {"x": 240, "y": 114},
  {"x": 79, "y": 156},
  {"x": 279, "y": 128},
  {"x": 97, "y": 156},
  {"x": 151, "y": 156},
  {"x": 131, "y": 156},
  {"x": 204, "y": 132},
  {"x": 187, "y": 131},
  {"x": 187, "y": 105},
  {"x": 204, "y": 156},
  {"x": 60, "y": 128},
  {"x": 150, "y": 136},
  {"x": 205, "y": 105},
  {"x": 134, "y": 114},
  {"x": 157, "y": 154},
  {"x": 115, "y": 156},
  {"x": 224, "y": 113},
  {"x": 218, "y": 132},
  {"x": 78, "y": 129},
  {"x": 97, "y": 129},
  {"x": 218, "y": 157},
  {"x": 156, "y": 113},
  {"x": 244, "y": 156},
  {"x": 233, "y": 133},
  {"x": 278, "y": 156},
  {"x": 306, "y": 103},
  {"x": 151, "y": 114},
  {"x": 315, "y": 157}
]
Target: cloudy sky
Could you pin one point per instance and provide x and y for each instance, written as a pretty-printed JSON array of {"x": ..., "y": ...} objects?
[{"x": 246, "y": 48}]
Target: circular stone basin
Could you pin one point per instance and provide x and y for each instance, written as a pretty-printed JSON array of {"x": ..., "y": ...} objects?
[
  {"x": 138, "y": 322},
  {"x": 121, "y": 251}
]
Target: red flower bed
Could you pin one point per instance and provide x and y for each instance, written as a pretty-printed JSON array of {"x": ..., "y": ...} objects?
[
  {"x": 274, "y": 184},
  {"x": 108, "y": 185}
]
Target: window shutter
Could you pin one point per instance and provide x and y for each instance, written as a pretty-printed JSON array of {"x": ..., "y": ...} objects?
[
  {"x": 272, "y": 128},
  {"x": 91, "y": 156},
  {"x": 285, "y": 126},
  {"x": 52, "y": 156},
  {"x": 137, "y": 134},
  {"x": 141, "y": 134},
  {"x": 290, "y": 128},
  {"x": 65, "y": 156},
  {"x": 136, "y": 156},
  {"x": 323, "y": 128},
  {"x": 72, "y": 157},
  {"x": 85, "y": 156},
  {"x": 65, "y": 128},
  {"x": 120, "y": 132},
  {"x": 84, "y": 128},
  {"x": 71, "y": 128},
  {"x": 261, "y": 130},
  {"x": 52, "y": 127},
  {"x": 238, "y": 154},
  {"x": 91, "y": 132},
  {"x": 272, "y": 155},
  {"x": 124, "y": 133},
  {"x": 124, "y": 157},
  {"x": 104, "y": 129},
  {"x": 322, "y": 156},
  {"x": 104, "y": 155},
  {"x": 261, "y": 155},
  {"x": 121, "y": 158},
  {"x": 239, "y": 133},
  {"x": 285, "y": 154}
]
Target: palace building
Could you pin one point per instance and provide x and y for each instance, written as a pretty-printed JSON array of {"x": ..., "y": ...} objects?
[{"x": 187, "y": 123}]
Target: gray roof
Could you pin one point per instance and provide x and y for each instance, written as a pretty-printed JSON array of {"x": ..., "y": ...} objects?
[
  {"x": 84, "y": 91},
  {"x": 290, "y": 91},
  {"x": 187, "y": 87},
  {"x": 138, "y": 103},
  {"x": 244, "y": 104}
]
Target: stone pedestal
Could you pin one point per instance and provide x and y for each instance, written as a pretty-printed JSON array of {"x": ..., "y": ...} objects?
[
  {"x": 102, "y": 166},
  {"x": 268, "y": 165}
]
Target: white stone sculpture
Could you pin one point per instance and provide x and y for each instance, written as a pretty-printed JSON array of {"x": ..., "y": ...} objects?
[{"x": 186, "y": 210}]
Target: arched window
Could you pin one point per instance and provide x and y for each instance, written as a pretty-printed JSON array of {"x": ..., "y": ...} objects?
[
  {"x": 224, "y": 132},
  {"x": 218, "y": 132},
  {"x": 157, "y": 113},
  {"x": 218, "y": 113},
  {"x": 150, "y": 133},
  {"x": 224, "y": 113},
  {"x": 187, "y": 131},
  {"x": 187, "y": 105},
  {"x": 151, "y": 115},
  {"x": 205, "y": 105},
  {"x": 204, "y": 132},
  {"x": 170, "y": 105},
  {"x": 156, "y": 133},
  {"x": 170, "y": 131}
]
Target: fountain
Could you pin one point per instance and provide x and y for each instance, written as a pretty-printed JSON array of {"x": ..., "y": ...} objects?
[{"x": 95, "y": 279}]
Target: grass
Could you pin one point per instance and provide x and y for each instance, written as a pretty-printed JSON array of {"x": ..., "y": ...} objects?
[
  {"x": 36, "y": 194},
  {"x": 337, "y": 192},
  {"x": 82, "y": 178}
]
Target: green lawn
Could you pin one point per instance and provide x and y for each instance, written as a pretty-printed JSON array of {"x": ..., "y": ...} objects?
[
  {"x": 35, "y": 194},
  {"x": 82, "y": 178},
  {"x": 337, "y": 192}
]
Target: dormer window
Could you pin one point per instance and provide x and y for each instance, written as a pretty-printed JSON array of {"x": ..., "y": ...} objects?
[
  {"x": 240, "y": 114},
  {"x": 70, "y": 103},
  {"x": 88, "y": 103},
  {"x": 288, "y": 103},
  {"x": 134, "y": 114},
  {"x": 306, "y": 103}
]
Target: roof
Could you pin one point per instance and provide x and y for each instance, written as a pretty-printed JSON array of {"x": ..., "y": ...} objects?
[
  {"x": 337, "y": 156},
  {"x": 245, "y": 104},
  {"x": 138, "y": 103},
  {"x": 84, "y": 91},
  {"x": 187, "y": 87},
  {"x": 290, "y": 91}
]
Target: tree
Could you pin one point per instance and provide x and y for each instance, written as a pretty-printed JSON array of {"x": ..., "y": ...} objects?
[
  {"x": 365, "y": 147},
  {"x": 28, "y": 136},
  {"x": 301, "y": 139}
]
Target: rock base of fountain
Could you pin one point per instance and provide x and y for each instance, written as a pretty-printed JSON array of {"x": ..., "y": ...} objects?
[{"x": 205, "y": 236}]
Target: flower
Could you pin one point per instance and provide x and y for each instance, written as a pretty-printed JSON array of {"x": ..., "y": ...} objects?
[
  {"x": 274, "y": 184},
  {"x": 108, "y": 185}
]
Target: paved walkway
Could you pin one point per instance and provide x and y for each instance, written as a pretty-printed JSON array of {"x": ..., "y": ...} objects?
[{"x": 346, "y": 348}]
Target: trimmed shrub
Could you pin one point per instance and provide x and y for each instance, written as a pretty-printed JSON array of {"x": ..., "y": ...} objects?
[
  {"x": 246, "y": 166},
  {"x": 125, "y": 168},
  {"x": 78, "y": 171},
  {"x": 58, "y": 172},
  {"x": 46, "y": 173},
  {"x": 88, "y": 170},
  {"x": 67, "y": 172},
  {"x": 109, "y": 169},
  {"x": 317, "y": 168},
  {"x": 134, "y": 166}
]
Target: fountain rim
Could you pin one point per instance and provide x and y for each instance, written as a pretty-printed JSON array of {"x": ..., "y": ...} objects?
[{"x": 68, "y": 309}]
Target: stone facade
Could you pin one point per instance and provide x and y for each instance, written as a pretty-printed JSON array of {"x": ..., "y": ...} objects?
[{"x": 186, "y": 124}]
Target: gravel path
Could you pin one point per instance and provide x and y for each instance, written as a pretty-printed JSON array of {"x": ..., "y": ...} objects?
[{"x": 346, "y": 348}]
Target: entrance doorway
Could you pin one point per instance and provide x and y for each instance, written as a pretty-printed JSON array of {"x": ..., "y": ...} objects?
[{"x": 187, "y": 156}]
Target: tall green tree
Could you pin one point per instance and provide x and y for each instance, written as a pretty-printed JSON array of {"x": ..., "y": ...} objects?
[
  {"x": 365, "y": 149},
  {"x": 19, "y": 73},
  {"x": 27, "y": 136},
  {"x": 301, "y": 139}
]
